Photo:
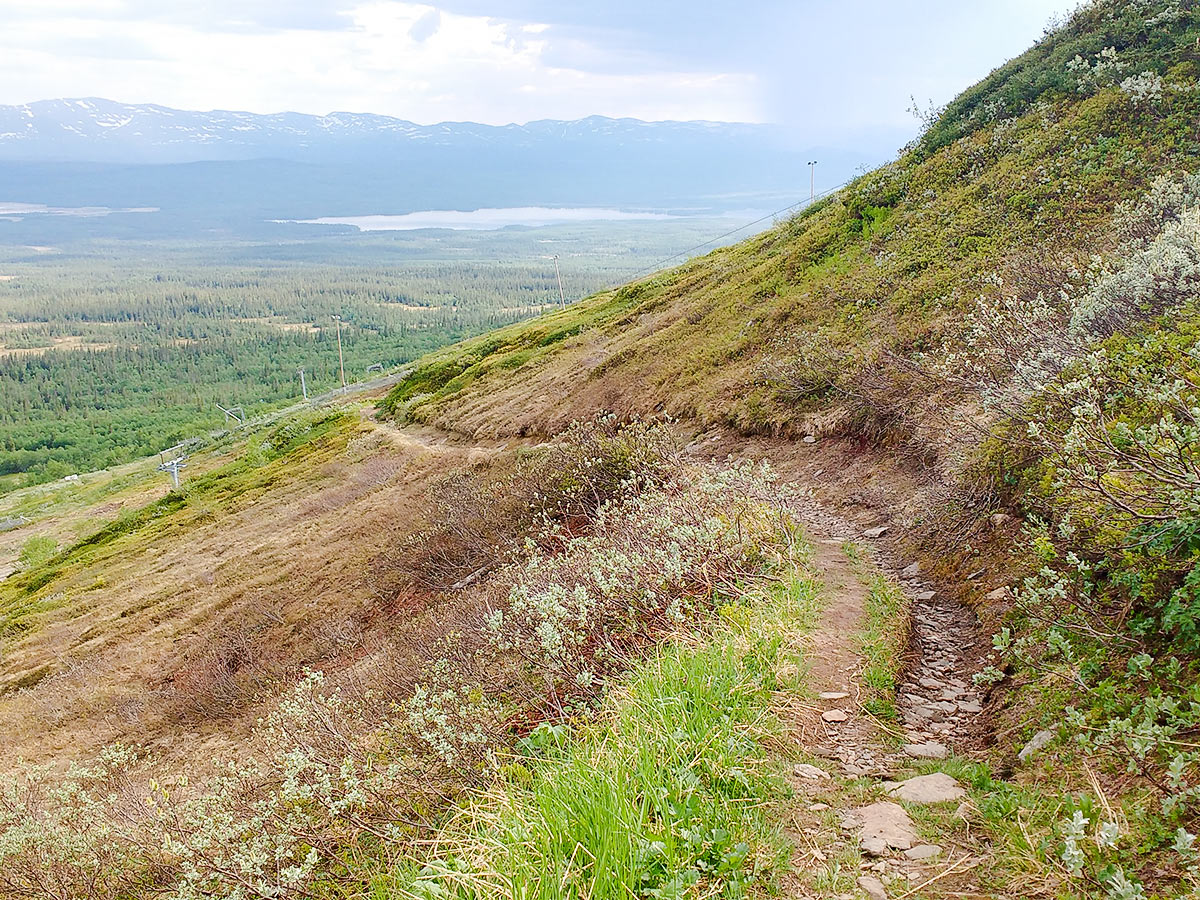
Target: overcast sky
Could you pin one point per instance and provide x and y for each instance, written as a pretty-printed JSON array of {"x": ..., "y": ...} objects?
[{"x": 828, "y": 69}]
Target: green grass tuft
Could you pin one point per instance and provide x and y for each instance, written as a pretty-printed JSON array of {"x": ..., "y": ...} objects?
[{"x": 665, "y": 796}]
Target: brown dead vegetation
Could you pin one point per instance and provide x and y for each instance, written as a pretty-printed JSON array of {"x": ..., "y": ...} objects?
[{"x": 200, "y": 627}]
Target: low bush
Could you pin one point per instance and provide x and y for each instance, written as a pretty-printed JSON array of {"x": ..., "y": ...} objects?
[
  {"x": 481, "y": 515},
  {"x": 340, "y": 776},
  {"x": 1097, "y": 392}
]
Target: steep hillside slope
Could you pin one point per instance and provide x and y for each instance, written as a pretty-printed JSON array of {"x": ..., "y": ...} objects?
[
  {"x": 1003, "y": 324},
  {"x": 558, "y": 634},
  {"x": 1042, "y": 153}
]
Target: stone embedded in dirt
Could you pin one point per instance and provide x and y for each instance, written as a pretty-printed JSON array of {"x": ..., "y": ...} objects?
[
  {"x": 877, "y": 532},
  {"x": 978, "y": 573},
  {"x": 926, "y": 595},
  {"x": 1001, "y": 520},
  {"x": 1036, "y": 744},
  {"x": 835, "y": 715},
  {"x": 881, "y": 826},
  {"x": 833, "y": 695},
  {"x": 809, "y": 439},
  {"x": 997, "y": 595},
  {"x": 926, "y": 750},
  {"x": 804, "y": 770},
  {"x": 912, "y": 570},
  {"x": 951, "y": 694},
  {"x": 872, "y": 887},
  {"x": 818, "y": 807},
  {"x": 937, "y": 787},
  {"x": 923, "y": 851},
  {"x": 966, "y": 811},
  {"x": 931, "y": 683},
  {"x": 970, "y": 706}
]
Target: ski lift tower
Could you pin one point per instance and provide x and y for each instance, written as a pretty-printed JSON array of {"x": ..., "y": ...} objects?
[
  {"x": 234, "y": 412},
  {"x": 172, "y": 467}
]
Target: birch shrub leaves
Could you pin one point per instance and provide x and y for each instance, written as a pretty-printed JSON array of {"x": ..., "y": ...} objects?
[{"x": 1096, "y": 386}]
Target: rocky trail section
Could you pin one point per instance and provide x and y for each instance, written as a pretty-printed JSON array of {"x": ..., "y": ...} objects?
[
  {"x": 868, "y": 819},
  {"x": 938, "y": 702}
]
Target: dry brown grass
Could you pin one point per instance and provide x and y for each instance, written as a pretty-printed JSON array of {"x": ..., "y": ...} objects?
[{"x": 180, "y": 644}]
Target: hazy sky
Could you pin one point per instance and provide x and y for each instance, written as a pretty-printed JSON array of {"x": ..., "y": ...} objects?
[{"x": 830, "y": 69}]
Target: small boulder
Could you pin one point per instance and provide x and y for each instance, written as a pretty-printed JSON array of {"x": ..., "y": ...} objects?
[
  {"x": 937, "y": 787},
  {"x": 804, "y": 770},
  {"x": 1036, "y": 744},
  {"x": 923, "y": 851},
  {"x": 872, "y": 887},
  {"x": 881, "y": 826},
  {"x": 926, "y": 750}
]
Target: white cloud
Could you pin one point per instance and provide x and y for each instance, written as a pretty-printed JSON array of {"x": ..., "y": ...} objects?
[
  {"x": 829, "y": 70},
  {"x": 389, "y": 60}
]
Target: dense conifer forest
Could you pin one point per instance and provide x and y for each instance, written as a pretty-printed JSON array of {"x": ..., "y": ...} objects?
[{"x": 113, "y": 351}]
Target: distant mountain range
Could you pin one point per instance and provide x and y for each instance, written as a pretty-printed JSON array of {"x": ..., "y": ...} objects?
[
  {"x": 97, "y": 130},
  {"x": 232, "y": 173}
]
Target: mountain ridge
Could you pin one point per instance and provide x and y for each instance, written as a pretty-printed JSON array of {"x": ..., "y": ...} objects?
[{"x": 94, "y": 129}]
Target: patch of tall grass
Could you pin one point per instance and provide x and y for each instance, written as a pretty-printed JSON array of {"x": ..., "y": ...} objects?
[
  {"x": 665, "y": 795},
  {"x": 882, "y": 638}
]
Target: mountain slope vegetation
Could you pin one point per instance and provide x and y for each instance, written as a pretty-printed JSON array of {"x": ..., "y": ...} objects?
[{"x": 562, "y": 635}]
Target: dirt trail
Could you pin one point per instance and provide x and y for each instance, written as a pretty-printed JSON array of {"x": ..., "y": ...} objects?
[
  {"x": 859, "y": 759},
  {"x": 852, "y": 496}
]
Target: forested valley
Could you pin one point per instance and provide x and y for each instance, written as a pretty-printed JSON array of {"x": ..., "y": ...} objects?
[{"x": 109, "y": 352}]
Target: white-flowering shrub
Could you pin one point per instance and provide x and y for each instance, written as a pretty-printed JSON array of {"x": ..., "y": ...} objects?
[
  {"x": 1016, "y": 344},
  {"x": 645, "y": 562},
  {"x": 451, "y": 720},
  {"x": 1172, "y": 13},
  {"x": 326, "y": 778},
  {"x": 1099, "y": 72},
  {"x": 1146, "y": 87},
  {"x": 61, "y": 837}
]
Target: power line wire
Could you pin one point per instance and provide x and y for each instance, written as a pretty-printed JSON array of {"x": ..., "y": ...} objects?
[{"x": 658, "y": 266}]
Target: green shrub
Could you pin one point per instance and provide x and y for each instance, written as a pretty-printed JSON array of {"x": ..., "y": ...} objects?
[{"x": 36, "y": 550}]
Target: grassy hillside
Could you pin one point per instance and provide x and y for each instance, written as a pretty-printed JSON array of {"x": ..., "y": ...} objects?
[
  {"x": 750, "y": 335},
  {"x": 543, "y": 650},
  {"x": 1007, "y": 312}
]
